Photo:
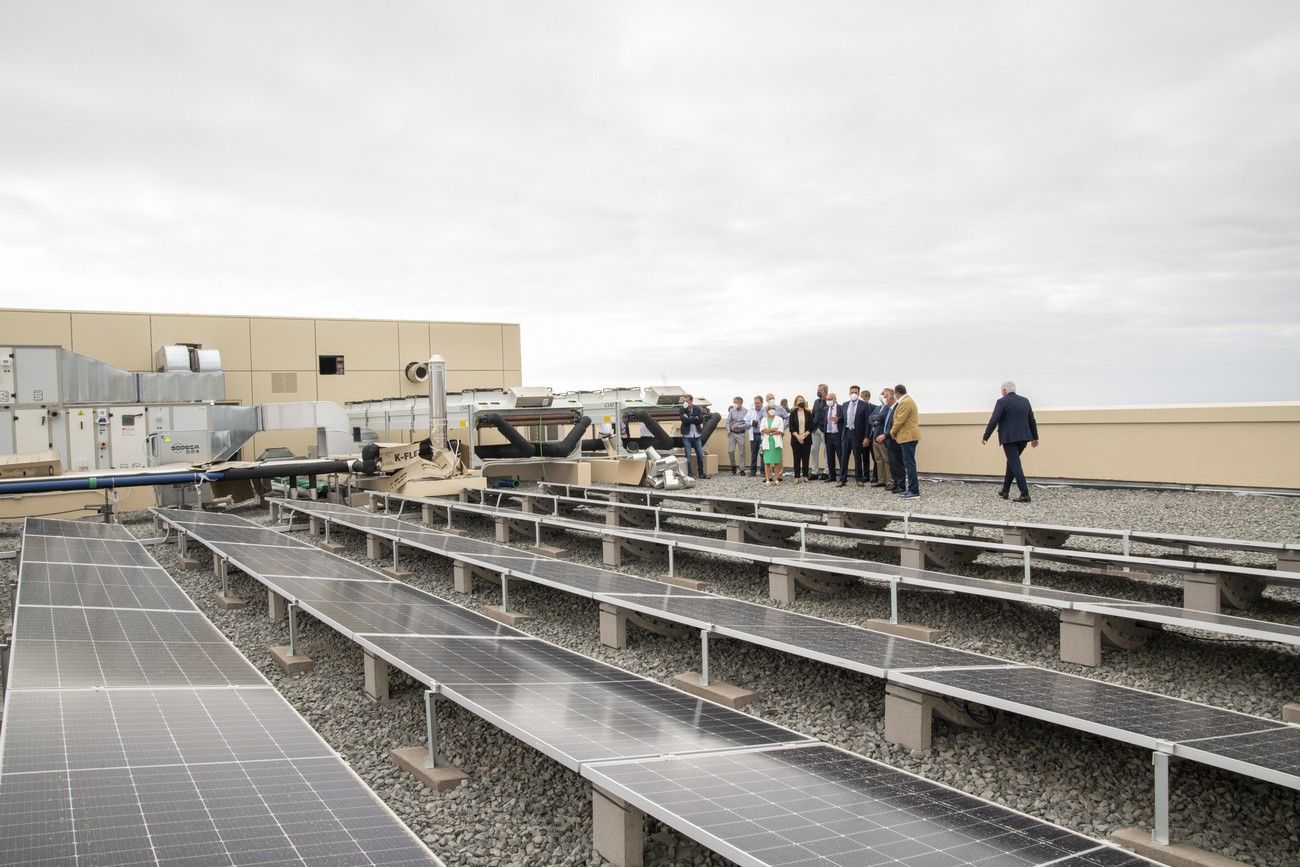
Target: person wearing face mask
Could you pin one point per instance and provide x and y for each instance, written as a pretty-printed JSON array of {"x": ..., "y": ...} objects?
[
  {"x": 854, "y": 413},
  {"x": 833, "y": 420},
  {"x": 773, "y": 431},
  {"x": 783, "y": 414},
  {"x": 880, "y": 451},
  {"x": 754, "y": 417},
  {"x": 818, "y": 434},
  {"x": 737, "y": 435},
  {"x": 691, "y": 419},
  {"x": 801, "y": 429}
]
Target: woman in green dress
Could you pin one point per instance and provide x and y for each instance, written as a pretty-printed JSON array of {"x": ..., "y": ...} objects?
[{"x": 773, "y": 432}]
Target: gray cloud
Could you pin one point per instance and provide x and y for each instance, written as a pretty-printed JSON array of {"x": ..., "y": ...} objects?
[{"x": 1074, "y": 194}]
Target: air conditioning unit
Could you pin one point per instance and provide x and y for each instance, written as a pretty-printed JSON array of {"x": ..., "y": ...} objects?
[{"x": 417, "y": 371}]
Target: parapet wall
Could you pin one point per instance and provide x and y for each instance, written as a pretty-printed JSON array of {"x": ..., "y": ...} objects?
[{"x": 1238, "y": 445}]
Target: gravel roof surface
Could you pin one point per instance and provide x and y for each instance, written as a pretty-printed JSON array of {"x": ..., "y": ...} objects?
[{"x": 521, "y": 808}]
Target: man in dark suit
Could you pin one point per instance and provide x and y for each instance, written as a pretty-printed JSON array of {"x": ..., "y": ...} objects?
[
  {"x": 691, "y": 419},
  {"x": 855, "y": 427},
  {"x": 1014, "y": 419}
]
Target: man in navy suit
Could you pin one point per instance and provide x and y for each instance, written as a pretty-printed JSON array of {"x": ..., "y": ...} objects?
[
  {"x": 855, "y": 429},
  {"x": 1014, "y": 419}
]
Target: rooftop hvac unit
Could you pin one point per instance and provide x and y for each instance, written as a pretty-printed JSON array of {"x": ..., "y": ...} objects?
[
  {"x": 530, "y": 396},
  {"x": 187, "y": 358},
  {"x": 417, "y": 371},
  {"x": 664, "y": 395}
]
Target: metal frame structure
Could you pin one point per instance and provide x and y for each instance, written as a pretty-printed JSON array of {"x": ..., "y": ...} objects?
[
  {"x": 420, "y": 537},
  {"x": 494, "y": 636}
]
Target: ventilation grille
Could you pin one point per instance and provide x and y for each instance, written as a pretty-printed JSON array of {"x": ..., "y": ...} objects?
[{"x": 284, "y": 382}]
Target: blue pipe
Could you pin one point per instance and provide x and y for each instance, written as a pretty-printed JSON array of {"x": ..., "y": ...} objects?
[{"x": 100, "y": 483}]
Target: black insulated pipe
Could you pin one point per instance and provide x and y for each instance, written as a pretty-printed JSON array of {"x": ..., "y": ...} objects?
[{"x": 519, "y": 447}]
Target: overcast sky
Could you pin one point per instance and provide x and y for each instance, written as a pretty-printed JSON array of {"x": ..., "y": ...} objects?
[{"x": 1099, "y": 199}]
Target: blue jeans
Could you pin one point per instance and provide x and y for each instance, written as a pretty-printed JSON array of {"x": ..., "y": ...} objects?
[
  {"x": 755, "y": 454},
  {"x": 909, "y": 466},
  {"x": 690, "y": 444}
]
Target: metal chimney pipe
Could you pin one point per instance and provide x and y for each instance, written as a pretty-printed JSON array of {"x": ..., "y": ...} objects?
[{"x": 438, "y": 403}]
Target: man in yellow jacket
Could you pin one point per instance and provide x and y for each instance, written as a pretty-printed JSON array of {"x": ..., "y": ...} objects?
[{"x": 906, "y": 431}]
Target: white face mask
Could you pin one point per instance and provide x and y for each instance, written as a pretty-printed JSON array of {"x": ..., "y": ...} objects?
[{"x": 771, "y": 413}]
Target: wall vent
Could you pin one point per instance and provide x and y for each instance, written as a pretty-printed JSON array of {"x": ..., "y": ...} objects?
[{"x": 284, "y": 382}]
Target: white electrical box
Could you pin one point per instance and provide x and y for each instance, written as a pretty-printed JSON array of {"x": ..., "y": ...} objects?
[
  {"x": 7, "y": 387},
  {"x": 126, "y": 438},
  {"x": 31, "y": 431},
  {"x": 36, "y": 379},
  {"x": 81, "y": 439}
]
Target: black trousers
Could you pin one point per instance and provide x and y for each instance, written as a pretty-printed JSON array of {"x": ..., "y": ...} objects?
[
  {"x": 802, "y": 451},
  {"x": 832, "y": 452},
  {"x": 895, "y": 452},
  {"x": 851, "y": 444},
  {"x": 1015, "y": 472}
]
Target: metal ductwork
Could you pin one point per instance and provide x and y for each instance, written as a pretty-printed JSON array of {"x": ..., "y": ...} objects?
[
  {"x": 418, "y": 371},
  {"x": 436, "y": 371}
]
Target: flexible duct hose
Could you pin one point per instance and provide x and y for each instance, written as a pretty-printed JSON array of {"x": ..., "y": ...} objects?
[{"x": 519, "y": 447}]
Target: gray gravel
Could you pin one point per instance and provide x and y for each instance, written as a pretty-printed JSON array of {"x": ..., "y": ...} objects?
[{"x": 521, "y": 808}]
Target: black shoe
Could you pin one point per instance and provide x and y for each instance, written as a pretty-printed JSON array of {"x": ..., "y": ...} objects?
[
  {"x": 1004, "y": 494},
  {"x": 1023, "y": 498}
]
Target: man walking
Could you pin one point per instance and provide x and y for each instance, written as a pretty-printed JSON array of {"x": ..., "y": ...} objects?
[
  {"x": 906, "y": 431},
  {"x": 832, "y": 434},
  {"x": 855, "y": 414},
  {"x": 691, "y": 419},
  {"x": 1013, "y": 416},
  {"x": 737, "y": 435},
  {"x": 818, "y": 434}
]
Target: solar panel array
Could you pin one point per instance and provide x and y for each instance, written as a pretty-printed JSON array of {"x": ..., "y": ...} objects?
[
  {"x": 603, "y": 721},
  {"x": 748, "y": 511},
  {"x": 867, "y": 570},
  {"x": 134, "y": 732},
  {"x": 1080, "y": 703},
  {"x": 1175, "y": 540}
]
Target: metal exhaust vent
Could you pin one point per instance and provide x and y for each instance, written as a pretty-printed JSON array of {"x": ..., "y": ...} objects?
[{"x": 417, "y": 371}]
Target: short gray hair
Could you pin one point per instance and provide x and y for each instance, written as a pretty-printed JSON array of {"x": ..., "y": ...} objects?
[{"x": 1009, "y": 385}]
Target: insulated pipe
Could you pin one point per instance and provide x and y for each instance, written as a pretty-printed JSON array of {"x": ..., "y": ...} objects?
[
  {"x": 438, "y": 403},
  {"x": 667, "y": 442},
  {"x": 188, "y": 477},
  {"x": 658, "y": 438},
  {"x": 520, "y": 447}
]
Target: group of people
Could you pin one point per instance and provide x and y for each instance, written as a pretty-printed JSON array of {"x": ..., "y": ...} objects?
[{"x": 879, "y": 438}]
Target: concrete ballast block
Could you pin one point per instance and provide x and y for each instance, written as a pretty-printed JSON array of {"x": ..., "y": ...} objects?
[
  {"x": 726, "y": 694},
  {"x": 291, "y": 663},
  {"x": 441, "y": 779},
  {"x": 617, "y": 830},
  {"x": 1139, "y": 840}
]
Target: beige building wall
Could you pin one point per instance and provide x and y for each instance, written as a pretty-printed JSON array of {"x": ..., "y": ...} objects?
[
  {"x": 1237, "y": 445},
  {"x": 269, "y": 359}
]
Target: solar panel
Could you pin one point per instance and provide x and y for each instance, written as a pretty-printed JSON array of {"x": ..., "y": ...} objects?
[
  {"x": 815, "y": 805},
  {"x": 161, "y": 759},
  {"x": 251, "y": 535},
  {"x": 358, "y": 607},
  {"x": 1130, "y": 712},
  {"x": 76, "y": 529},
  {"x": 1277, "y": 749},
  {"x": 78, "y": 730},
  {"x": 455, "y": 661},
  {"x": 297, "y": 560},
  {"x": 62, "y": 648},
  {"x": 99, "y": 586},
  {"x": 304, "y": 811},
  {"x": 199, "y": 518},
  {"x": 577, "y": 722},
  {"x": 71, "y": 549}
]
